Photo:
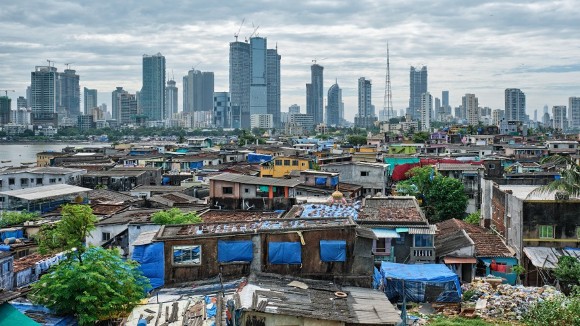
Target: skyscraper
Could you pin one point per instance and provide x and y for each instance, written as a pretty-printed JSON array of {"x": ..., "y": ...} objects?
[
  {"x": 70, "y": 92},
  {"x": 439, "y": 112},
  {"x": 90, "y": 99},
  {"x": 559, "y": 120},
  {"x": 314, "y": 96},
  {"x": 116, "y": 103},
  {"x": 258, "y": 87},
  {"x": 240, "y": 84},
  {"x": 43, "y": 102},
  {"x": 5, "y": 110},
  {"x": 21, "y": 102},
  {"x": 417, "y": 86},
  {"x": 471, "y": 107},
  {"x": 221, "y": 110},
  {"x": 426, "y": 110},
  {"x": 171, "y": 98},
  {"x": 152, "y": 96},
  {"x": 366, "y": 114},
  {"x": 515, "y": 105},
  {"x": 273, "y": 85},
  {"x": 198, "y": 89},
  {"x": 294, "y": 109},
  {"x": 333, "y": 106},
  {"x": 127, "y": 108},
  {"x": 574, "y": 112},
  {"x": 445, "y": 99}
]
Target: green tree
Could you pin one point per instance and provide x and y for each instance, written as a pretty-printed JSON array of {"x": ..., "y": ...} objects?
[
  {"x": 101, "y": 286},
  {"x": 175, "y": 216},
  {"x": 420, "y": 137},
  {"x": 70, "y": 232},
  {"x": 16, "y": 218},
  {"x": 569, "y": 181},
  {"x": 473, "y": 218},
  {"x": 567, "y": 272},
  {"x": 442, "y": 197},
  {"x": 357, "y": 140}
]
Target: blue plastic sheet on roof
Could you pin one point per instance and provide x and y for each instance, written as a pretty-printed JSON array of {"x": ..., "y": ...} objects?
[
  {"x": 320, "y": 181},
  {"x": 152, "y": 262},
  {"x": 18, "y": 234},
  {"x": 333, "y": 250},
  {"x": 376, "y": 278},
  {"x": 385, "y": 233},
  {"x": 284, "y": 253},
  {"x": 258, "y": 158},
  {"x": 230, "y": 251},
  {"x": 420, "y": 281},
  {"x": 165, "y": 180},
  {"x": 333, "y": 181}
]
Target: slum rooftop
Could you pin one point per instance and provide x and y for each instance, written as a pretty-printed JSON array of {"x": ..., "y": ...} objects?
[
  {"x": 246, "y": 179},
  {"x": 45, "y": 192},
  {"x": 393, "y": 209},
  {"x": 212, "y": 216},
  {"x": 283, "y": 225}
]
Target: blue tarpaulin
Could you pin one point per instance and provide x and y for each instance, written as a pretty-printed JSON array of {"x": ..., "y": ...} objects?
[
  {"x": 230, "y": 251},
  {"x": 18, "y": 234},
  {"x": 196, "y": 165},
  {"x": 332, "y": 250},
  {"x": 152, "y": 262},
  {"x": 320, "y": 181},
  {"x": 285, "y": 253},
  {"x": 422, "y": 282},
  {"x": 333, "y": 181},
  {"x": 258, "y": 158}
]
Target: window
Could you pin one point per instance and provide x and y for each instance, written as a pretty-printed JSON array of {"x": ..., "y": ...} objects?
[
  {"x": 227, "y": 190},
  {"x": 278, "y": 162},
  {"x": 246, "y": 190},
  {"x": 423, "y": 240},
  {"x": 24, "y": 182},
  {"x": 364, "y": 173},
  {"x": 546, "y": 231},
  {"x": 287, "y": 162},
  {"x": 294, "y": 162},
  {"x": 306, "y": 179},
  {"x": 570, "y": 146},
  {"x": 11, "y": 181},
  {"x": 106, "y": 236},
  {"x": 187, "y": 255},
  {"x": 59, "y": 179},
  {"x": 383, "y": 245},
  {"x": 52, "y": 180},
  {"x": 492, "y": 166},
  {"x": 6, "y": 267}
]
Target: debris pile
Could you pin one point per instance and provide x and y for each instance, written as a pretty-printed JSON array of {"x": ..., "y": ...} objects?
[{"x": 506, "y": 301}]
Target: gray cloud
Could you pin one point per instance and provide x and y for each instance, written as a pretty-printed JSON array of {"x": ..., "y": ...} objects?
[{"x": 468, "y": 46}]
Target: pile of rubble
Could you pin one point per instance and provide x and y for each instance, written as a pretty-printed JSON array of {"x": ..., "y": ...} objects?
[{"x": 505, "y": 301}]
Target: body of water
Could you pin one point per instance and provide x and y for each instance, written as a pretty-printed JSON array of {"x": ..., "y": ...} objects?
[{"x": 15, "y": 154}]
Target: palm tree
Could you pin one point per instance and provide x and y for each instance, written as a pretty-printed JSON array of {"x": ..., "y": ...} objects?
[{"x": 569, "y": 181}]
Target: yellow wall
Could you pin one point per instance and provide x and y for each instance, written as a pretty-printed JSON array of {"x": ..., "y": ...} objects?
[
  {"x": 280, "y": 167},
  {"x": 402, "y": 149}
]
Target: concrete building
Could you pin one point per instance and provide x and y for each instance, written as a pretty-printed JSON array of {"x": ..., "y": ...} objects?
[
  {"x": 306, "y": 121},
  {"x": 366, "y": 112},
  {"x": 69, "y": 93},
  {"x": 25, "y": 178},
  {"x": 574, "y": 112},
  {"x": 497, "y": 116},
  {"x": 559, "y": 119},
  {"x": 127, "y": 106},
  {"x": 152, "y": 95},
  {"x": 417, "y": 86},
  {"x": 333, "y": 106},
  {"x": 239, "y": 81},
  {"x": 43, "y": 91},
  {"x": 426, "y": 109},
  {"x": 21, "y": 102},
  {"x": 273, "y": 93},
  {"x": 89, "y": 99},
  {"x": 262, "y": 121},
  {"x": 5, "y": 110},
  {"x": 171, "y": 98},
  {"x": 258, "y": 70},
  {"x": 85, "y": 122},
  {"x": 315, "y": 95},
  {"x": 21, "y": 116},
  {"x": 515, "y": 105},
  {"x": 116, "y": 104},
  {"x": 471, "y": 107},
  {"x": 371, "y": 176},
  {"x": 294, "y": 109},
  {"x": 222, "y": 115},
  {"x": 198, "y": 89}
]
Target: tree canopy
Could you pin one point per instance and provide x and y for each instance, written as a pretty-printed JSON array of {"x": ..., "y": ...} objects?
[
  {"x": 70, "y": 232},
  {"x": 357, "y": 140},
  {"x": 100, "y": 286},
  {"x": 175, "y": 216},
  {"x": 569, "y": 181},
  {"x": 16, "y": 218},
  {"x": 442, "y": 198},
  {"x": 420, "y": 137}
]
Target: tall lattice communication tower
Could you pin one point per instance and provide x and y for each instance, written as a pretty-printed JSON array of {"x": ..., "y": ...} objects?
[{"x": 388, "y": 112}]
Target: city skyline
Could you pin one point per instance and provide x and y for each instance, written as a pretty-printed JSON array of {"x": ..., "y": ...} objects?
[{"x": 502, "y": 51}]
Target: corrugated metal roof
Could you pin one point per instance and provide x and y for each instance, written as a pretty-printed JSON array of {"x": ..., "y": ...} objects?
[
  {"x": 546, "y": 257},
  {"x": 432, "y": 229},
  {"x": 239, "y": 178},
  {"x": 144, "y": 238},
  {"x": 386, "y": 233},
  {"x": 45, "y": 192}
]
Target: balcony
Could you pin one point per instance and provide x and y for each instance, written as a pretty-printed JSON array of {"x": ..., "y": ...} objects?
[{"x": 422, "y": 254}]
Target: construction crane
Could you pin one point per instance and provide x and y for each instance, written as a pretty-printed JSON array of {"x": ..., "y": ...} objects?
[
  {"x": 255, "y": 30},
  {"x": 68, "y": 65},
  {"x": 315, "y": 60},
  {"x": 239, "y": 29},
  {"x": 49, "y": 61},
  {"x": 6, "y": 91}
]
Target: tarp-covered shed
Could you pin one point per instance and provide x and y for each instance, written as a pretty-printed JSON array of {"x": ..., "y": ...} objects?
[
  {"x": 151, "y": 258},
  {"x": 420, "y": 282}
]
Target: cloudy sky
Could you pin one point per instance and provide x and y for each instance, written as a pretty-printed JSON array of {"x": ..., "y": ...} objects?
[{"x": 469, "y": 46}]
